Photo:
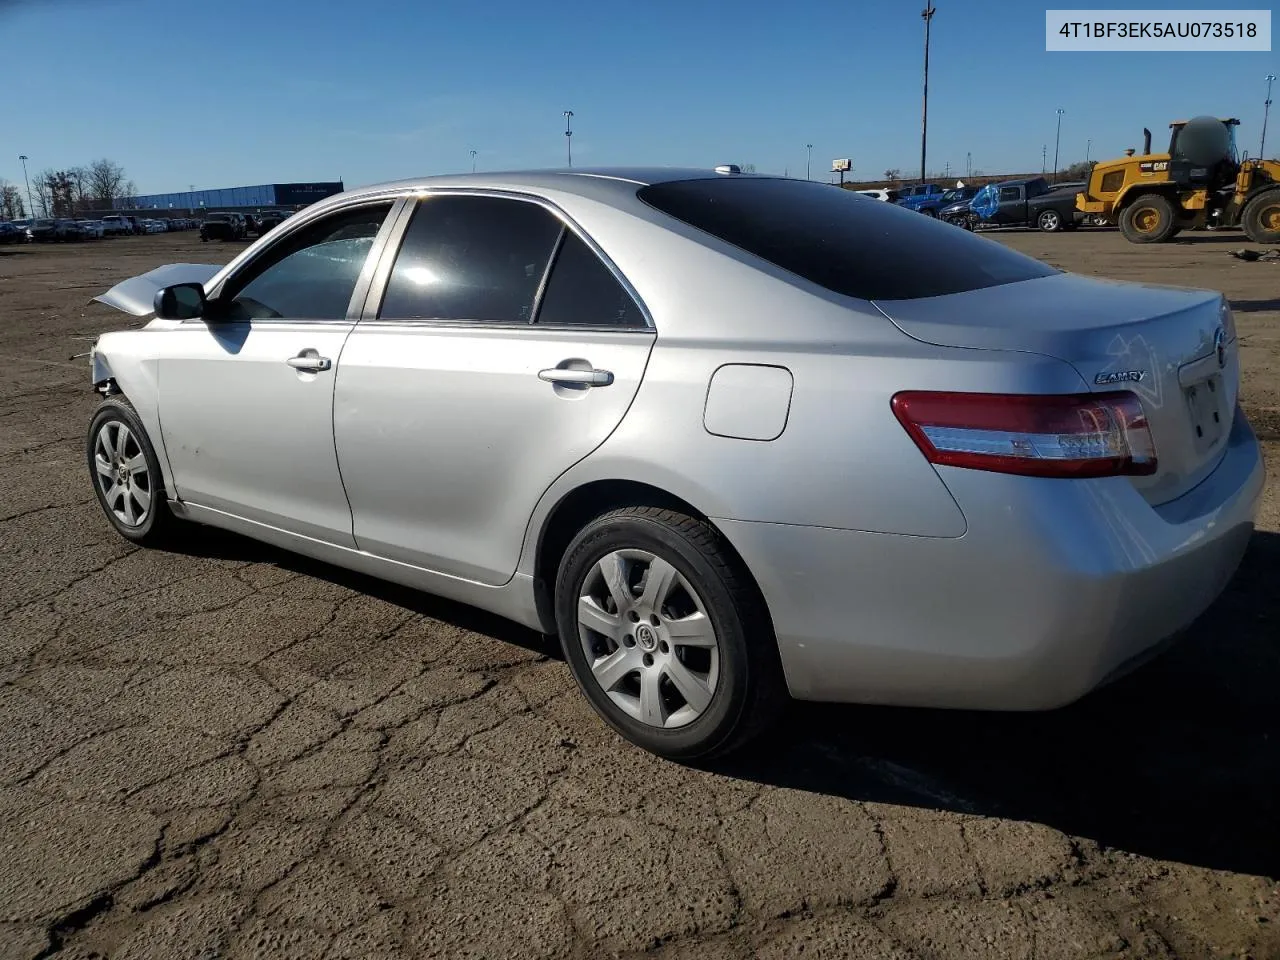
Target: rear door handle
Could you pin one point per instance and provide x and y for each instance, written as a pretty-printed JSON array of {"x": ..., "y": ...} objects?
[
  {"x": 309, "y": 362},
  {"x": 582, "y": 378}
]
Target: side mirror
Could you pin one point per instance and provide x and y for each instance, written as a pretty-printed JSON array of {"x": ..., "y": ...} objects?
[{"x": 182, "y": 301}]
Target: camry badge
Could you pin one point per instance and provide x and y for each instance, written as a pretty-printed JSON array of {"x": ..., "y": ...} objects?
[{"x": 1120, "y": 376}]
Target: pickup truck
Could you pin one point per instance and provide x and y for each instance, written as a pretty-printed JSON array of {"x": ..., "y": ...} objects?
[
  {"x": 1026, "y": 203},
  {"x": 920, "y": 197}
]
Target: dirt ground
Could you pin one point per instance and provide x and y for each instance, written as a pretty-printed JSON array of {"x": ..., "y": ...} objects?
[{"x": 233, "y": 752}]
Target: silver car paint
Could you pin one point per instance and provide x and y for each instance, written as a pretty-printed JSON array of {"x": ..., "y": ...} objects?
[{"x": 887, "y": 580}]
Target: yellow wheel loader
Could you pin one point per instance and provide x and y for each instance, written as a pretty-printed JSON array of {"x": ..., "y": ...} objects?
[{"x": 1199, "y": 182}]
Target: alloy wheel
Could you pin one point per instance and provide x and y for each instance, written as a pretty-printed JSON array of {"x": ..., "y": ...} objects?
[
  {"x": 122, "y": 474},
  {"x": 647, "y": 638}
]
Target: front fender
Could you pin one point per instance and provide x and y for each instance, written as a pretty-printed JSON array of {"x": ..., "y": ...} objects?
[{"x": 120, "y": 366}]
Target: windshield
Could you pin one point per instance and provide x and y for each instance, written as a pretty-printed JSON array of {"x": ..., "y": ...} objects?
[
  {"x": 848, "y": 244},
  {"x": 218, "y": 217}
]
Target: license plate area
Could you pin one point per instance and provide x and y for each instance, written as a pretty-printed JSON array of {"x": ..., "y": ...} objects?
[{"x": 1204, "y": 406}]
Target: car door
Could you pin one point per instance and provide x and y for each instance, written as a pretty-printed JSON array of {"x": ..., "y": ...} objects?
[
  {"x": 504, "y": 350},
  {"x": 246, "y": 394},
  {"x": 1012, "y": 209}
]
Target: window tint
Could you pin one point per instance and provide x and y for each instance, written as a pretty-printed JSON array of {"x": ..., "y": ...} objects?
[
  {"x": 1008, "y": 193},
  {"x": 471, "y": 258},
  {"x": 582, "y": 291},
  {"x": 845, "y": 243},
  {"x": 311, "y": 274}
]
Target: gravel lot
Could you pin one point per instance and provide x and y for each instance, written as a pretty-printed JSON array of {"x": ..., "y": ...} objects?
[{"x": 230, "y": 751}]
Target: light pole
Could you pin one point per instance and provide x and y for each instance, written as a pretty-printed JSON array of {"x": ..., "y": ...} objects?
[
  {"x": 1044, "y": 159},
  {"x": 473, "y": 161},
  {"x": 968, "y": 165},
  {"x": 30, "y": 203},
  {"x": 808, "y": 159},
  {"x": 1057, "y": 140},
  {"x": 1266, "y": 112},
  {"x": 568, "y": 132},
  {"x": 927, "y": 16},
  {"x": 1088, "y": 145}
]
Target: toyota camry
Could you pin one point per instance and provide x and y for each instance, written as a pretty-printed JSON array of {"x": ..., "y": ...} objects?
[{"x": 732, "y": 438}]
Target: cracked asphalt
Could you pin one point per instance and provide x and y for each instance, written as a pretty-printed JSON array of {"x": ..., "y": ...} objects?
[{"x": 231, "y": 752}]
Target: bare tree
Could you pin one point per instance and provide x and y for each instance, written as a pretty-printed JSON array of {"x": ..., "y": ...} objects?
[
  {"x": 105, "y": 181},
  {"x": 11, "y": 205},
  {"x": 81, "y": 200},
  {"x": 748, "y": 168},
  {"x": 893, "y": 173},
  {"x": 42, "y": 196}
]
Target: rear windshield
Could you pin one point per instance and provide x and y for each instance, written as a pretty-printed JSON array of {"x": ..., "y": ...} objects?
[{"x": 848, "y": 244}]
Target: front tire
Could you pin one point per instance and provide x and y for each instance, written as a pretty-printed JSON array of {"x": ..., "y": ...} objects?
[
  {"x": 126, "y": 474},
  {"x": 666, "y": 635},
  {"x": 1149, "y": 219},
  {"x": 1261, "y": 218}
]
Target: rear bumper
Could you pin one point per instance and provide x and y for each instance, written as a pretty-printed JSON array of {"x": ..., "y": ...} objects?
[{"x": 1055, "y": 587}]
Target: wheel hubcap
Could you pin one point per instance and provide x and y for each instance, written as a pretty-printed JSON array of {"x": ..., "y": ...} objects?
[
  {"x": 1147, "y": 220},
  {"x": 1271, "y": 217},
  {"x": 122, "y": 474},
  {"x": 647, "y": 639}
]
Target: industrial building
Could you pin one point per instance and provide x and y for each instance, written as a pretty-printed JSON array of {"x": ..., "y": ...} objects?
[{"x": 264, "y": 196}]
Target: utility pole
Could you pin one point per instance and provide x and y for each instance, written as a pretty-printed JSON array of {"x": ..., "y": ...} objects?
[
  {"x": 927, "y": 16},
  {"x": 473, "y": 161},
  {"x": 1044, "y": 159},
  {"x": 1057, "y": 140},
  {"x": 808, "y": 159},
  {"x": 1088, "y": 145},
  {"x": 1266, "y": 112},
  {"x": 968, "y": 165},
  {"x": 30, "y": 203},
  {"x": 568, "y": 132}
]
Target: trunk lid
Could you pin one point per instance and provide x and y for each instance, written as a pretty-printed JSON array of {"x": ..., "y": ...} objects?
[{"x": 1176, "y": 349}]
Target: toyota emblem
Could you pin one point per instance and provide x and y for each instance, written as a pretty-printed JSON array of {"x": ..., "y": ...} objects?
[{"x": 1220, "y": 346}]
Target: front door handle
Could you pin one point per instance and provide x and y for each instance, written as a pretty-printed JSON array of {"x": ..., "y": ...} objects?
[
  {"x": 579, "y": 378},
  {"x": 304, "y": 361}
]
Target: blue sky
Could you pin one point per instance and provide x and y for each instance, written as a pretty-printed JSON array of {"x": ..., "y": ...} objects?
[{"x": 226, "y": 92}]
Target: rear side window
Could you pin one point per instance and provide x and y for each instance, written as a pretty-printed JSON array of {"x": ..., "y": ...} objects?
[
  {"x": 848, "y": 244},
  {"x": 471, "y": 258},
  {"x": 583, "y": 292}
]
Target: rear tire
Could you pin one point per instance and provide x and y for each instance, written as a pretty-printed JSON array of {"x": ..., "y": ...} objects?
[
  {"x": 126, "y": 474},
  {"x": 1261, "y": 218},
  {"x": 1149, "y": 219},
  {"x": 1050, "y": 221},
  {"x": 666, "y": 635}
]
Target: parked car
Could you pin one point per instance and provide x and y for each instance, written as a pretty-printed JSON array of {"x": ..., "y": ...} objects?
[
  {"x": 567, "y": 398},
  {"x": 223, "y": 226},
  {"x": 920, "y": 197},
  {"x": 933, "y": 206},
  {"x": 12, "y": 233},
  {"x": 883, "y": 193},
  {"x": 56, "y": 230},
  {"x": 93, "y": 229},
  {"x": 1026, "y": 203},
  {"x": 269, "y": 220},
  {"x": 153, "y": 226},
  {"x": 115, "y": 225}
]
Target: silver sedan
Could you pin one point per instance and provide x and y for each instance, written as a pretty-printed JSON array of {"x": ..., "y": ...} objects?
[{"x": 731, "y": 437}]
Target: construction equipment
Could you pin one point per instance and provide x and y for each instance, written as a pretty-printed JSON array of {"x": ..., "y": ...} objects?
[{"x": 1200, "y": 182}]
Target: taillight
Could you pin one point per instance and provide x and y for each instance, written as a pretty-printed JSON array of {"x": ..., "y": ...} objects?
[{"x": 1053, "y": 435}]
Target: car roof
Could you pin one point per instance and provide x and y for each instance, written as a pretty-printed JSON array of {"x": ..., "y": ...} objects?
[{"x": 584, "y": 181}]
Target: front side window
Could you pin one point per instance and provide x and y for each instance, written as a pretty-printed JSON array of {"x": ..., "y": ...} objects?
[
  {"x": 471, "y": 258},
  {"x": 1008, "y": 193},
  {"x": 312, "y": 273}
]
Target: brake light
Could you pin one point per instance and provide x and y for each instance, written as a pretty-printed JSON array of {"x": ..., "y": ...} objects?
[{"x": 1051, "y": 435}]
